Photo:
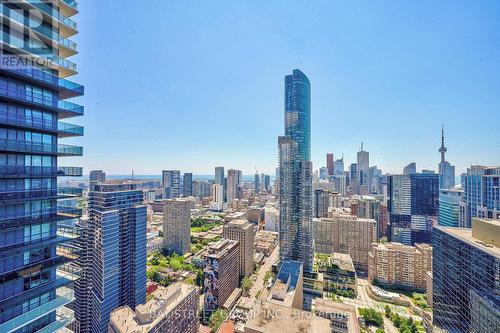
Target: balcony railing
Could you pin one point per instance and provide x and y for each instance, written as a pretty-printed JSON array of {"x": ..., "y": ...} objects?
[
  {"x": 27, "y": 171},
  {"x": 67, "y": 129},
  {"x": 27, "y": 194},
  {"x": 53, "y": 13},
  {"x": 70, "y": 191},
  {"x": 30, "y": 147},
  {"x": 64, "y": 295},
  {"x": 69, "y": 150},
  {"x": 61, "y": 213},
  {"x": 69, "y": 171},
  {"x": 70, "y": 107},
  {"x": 34, "y": 123},
  {"x": 71, "y": 3}
]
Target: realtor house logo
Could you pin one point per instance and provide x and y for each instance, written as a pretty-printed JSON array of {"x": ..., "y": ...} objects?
[{"x": 29, "y": 34}]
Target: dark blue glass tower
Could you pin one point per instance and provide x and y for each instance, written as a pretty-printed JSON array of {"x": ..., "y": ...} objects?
[{"x": 298, "y": 112}]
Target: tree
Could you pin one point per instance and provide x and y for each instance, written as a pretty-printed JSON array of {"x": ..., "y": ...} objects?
[
  {"x": 396, "y": 320},
  {"x": 387, "y": 311},
  {"x": 372, "y": 317},
  {"x": 217, "y": 319},
  {"x": 246, "y": 285}
]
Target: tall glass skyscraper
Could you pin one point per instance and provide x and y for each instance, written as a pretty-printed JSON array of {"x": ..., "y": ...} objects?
[
  {"x": 37, "y": 218},
  {"x": 298, "y": 112},
  {"x": 295, "y": 176}
]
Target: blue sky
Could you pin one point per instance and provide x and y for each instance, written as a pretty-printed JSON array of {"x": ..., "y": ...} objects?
[{"x": 193, "y": 84}]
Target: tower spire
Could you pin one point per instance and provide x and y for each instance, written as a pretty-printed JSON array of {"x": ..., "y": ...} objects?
[{"x": 442, "y": 149}]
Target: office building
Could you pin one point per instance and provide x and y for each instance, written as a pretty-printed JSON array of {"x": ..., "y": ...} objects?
[
  {"x": 446, "y": 170},
  {"x": 363, "y": 166},
  {"x": 37, "y": 217},
  {"x": 170, "y": 180},
  {"x": 400, "y": 266},
  {"x": 295, "y": 182},
  {"x": 117, "y": 223},
  {"x": 481, "y": 194},
  {"x": 410, "y": 169},
  {"x": 346, "y": 234},
  {"x": 187, "y": 185},
  {"x": 338, "y": 166},
  {"x": 257, "y": 180},
  {"x": 449, "y": 207},
  {"x": 177, "y": 225},
  {"x": 219, "y": 175},
  {"x": 329, "y": 163},
  {"x": 234, "y": 182},
  {"x": 412, "y": 203},
  {"x": 202, "y": 189},
  {"x": 96, "y": 177},
  {"x": 465, "y": 277},
  {"x": 221, "y": 273},
  {"x": 271, "y": 219},
  {"x": 171, "y": 310},
  {"x": 267, "y": 182},
  {"x": 242, "y": 231}
]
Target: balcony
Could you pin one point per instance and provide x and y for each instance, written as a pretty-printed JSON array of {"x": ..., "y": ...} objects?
[
  {"x": 69, "y": 192},
  {"x": 66, "y": 22},
  {"x": 66, "y": 88},
  {"x": 64, "y": 296},
  {"x": 27, "y": 147},
  {"x": 35, "y": 123},
  {"x": 69, "y": 171},
  {"x": 64, "y": 317},
  {"x": 69, "y": 150},
  {"x": 14, "y": 171},
  {"x": 65, "y": 130},
  {"x": 61, "y": 213},
  {"x": 67, "y": 109},
  {"x": 8, "y": 196}
]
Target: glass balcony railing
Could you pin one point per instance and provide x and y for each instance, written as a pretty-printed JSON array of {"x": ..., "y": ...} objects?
[
  {"x": 54, "y": 13},
  {"x": 69, "y": 150},
  {"x": 27, "y": 194},
  {"x": 25, "y": 146},
  {"x": 71, "y": 3},
  {"x": 66, "y": 129},
  {"x": 61, "y": 213},
  {"x": 69, "y": 171},
  {"x": 35, "y": 123},
  {"x": 70, "y": 107},
  {"x": 70, "y": 191},
  {"x": 64, "y": 317},
  {"x": 27, "y": 171},
  {"x": 64, "y": 295}
]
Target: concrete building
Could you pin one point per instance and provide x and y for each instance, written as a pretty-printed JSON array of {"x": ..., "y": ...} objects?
[
  {"x": 234, "y": 182},
  {"x": 465, "y": 277},
  {"x": 255, "y": 214},
  {"x": 343, "y": 317},
  {"x": 329, "y": 163},
  {"x": 367, "y": 207},
  {"x": 96, "y": 177},
  {"x": 242, "y": 231},
  {"x": 481, "y": 195},
  {"x": 177, "y": 225},
  {"x": 171, "y": 184},
  {"x": 117, "y": 222},
  {"x": 324, "y": 200},
  {"x": 449, "y": 207},
  {"x": 221, "y": 273},
  {"x": 171, "y": 310},
  {"x": 348, "y": 234},
  {"x": 398, "y": 265},
  {"x": 288, "y": 289}
]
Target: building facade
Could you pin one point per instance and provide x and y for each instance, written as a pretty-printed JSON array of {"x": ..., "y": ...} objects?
[
  {"x": 37, "y": 218},
  {"x": 177, "y": 225},
  {"x": 96, "y": 177},
  {"x": 117, "y": 222},
  {"x": 466, "y": 271},
  {"x": 449, "y": 207},
  {"x": 242, "y": 231},
  {"x": 171, "y": 184},
  {"x": 446, "y": 170},
  {"x": 401, "y": 266},
  {"x": 187, "y": 184},
  {"x": 234, "y": 185}
]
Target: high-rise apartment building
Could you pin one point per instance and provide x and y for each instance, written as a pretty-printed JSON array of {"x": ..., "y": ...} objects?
[
  {"x": 401, "y": 266},
  {"x": 348, "y": 234},
  {"x": 324, "y": 200},
  {"x": 221, "y": 273},
  {"x": 117, "y": 222},
  {"x": 449, "y": 207},
  {"x": 257, "y": 180},
  {"x": 367, "y": 207},
  {"x": 219, "y": 175},
  {"x": 177, "y": 225},
  {"x": 187, "y": 184},
  {"x": 234, "y": 182},
  {"x": 410, "y": 169},
  {"x": 481, "y": 197},
  {"x": 267, "y": 182},
  {"x": 242, "y": 231},
  {"x": 171, "y": 310},
  {"x": 36, "y": 216},
  {"x": 329, "y": 163},
  {"x": 295, "y": 179},
  {"x": 170, "y": 181},
  {"x": 465, "y": 277},
  {"x": 96, "y": 177},
  {"x": 446, "y": 170}
]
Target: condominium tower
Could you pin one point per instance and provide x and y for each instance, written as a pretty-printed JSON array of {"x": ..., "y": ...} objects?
[
  {"x": 295, "y": 177},
  {"x": 36, "y": 216},
  {"x": 177, "y": 225},
  {"x": 187, "y": 184},
  {"x": 234, "y": 182},
  {"x": 170, "y": 181},
  {"x": 242, "y": 231}
]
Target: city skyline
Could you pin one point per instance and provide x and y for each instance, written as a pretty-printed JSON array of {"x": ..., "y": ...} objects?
[{"x": 359, "y": 89}]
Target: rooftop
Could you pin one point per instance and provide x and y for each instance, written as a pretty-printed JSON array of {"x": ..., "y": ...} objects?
[{"x": 284, "y": 288}]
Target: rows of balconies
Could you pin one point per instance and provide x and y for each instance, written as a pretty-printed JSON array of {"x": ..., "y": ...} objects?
[
  {"x": 39, "y": 147},
  {"x": 65, "y": 130},
  {"x": 15, "y": 171},
  {"x": 59, "y": 193}
]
